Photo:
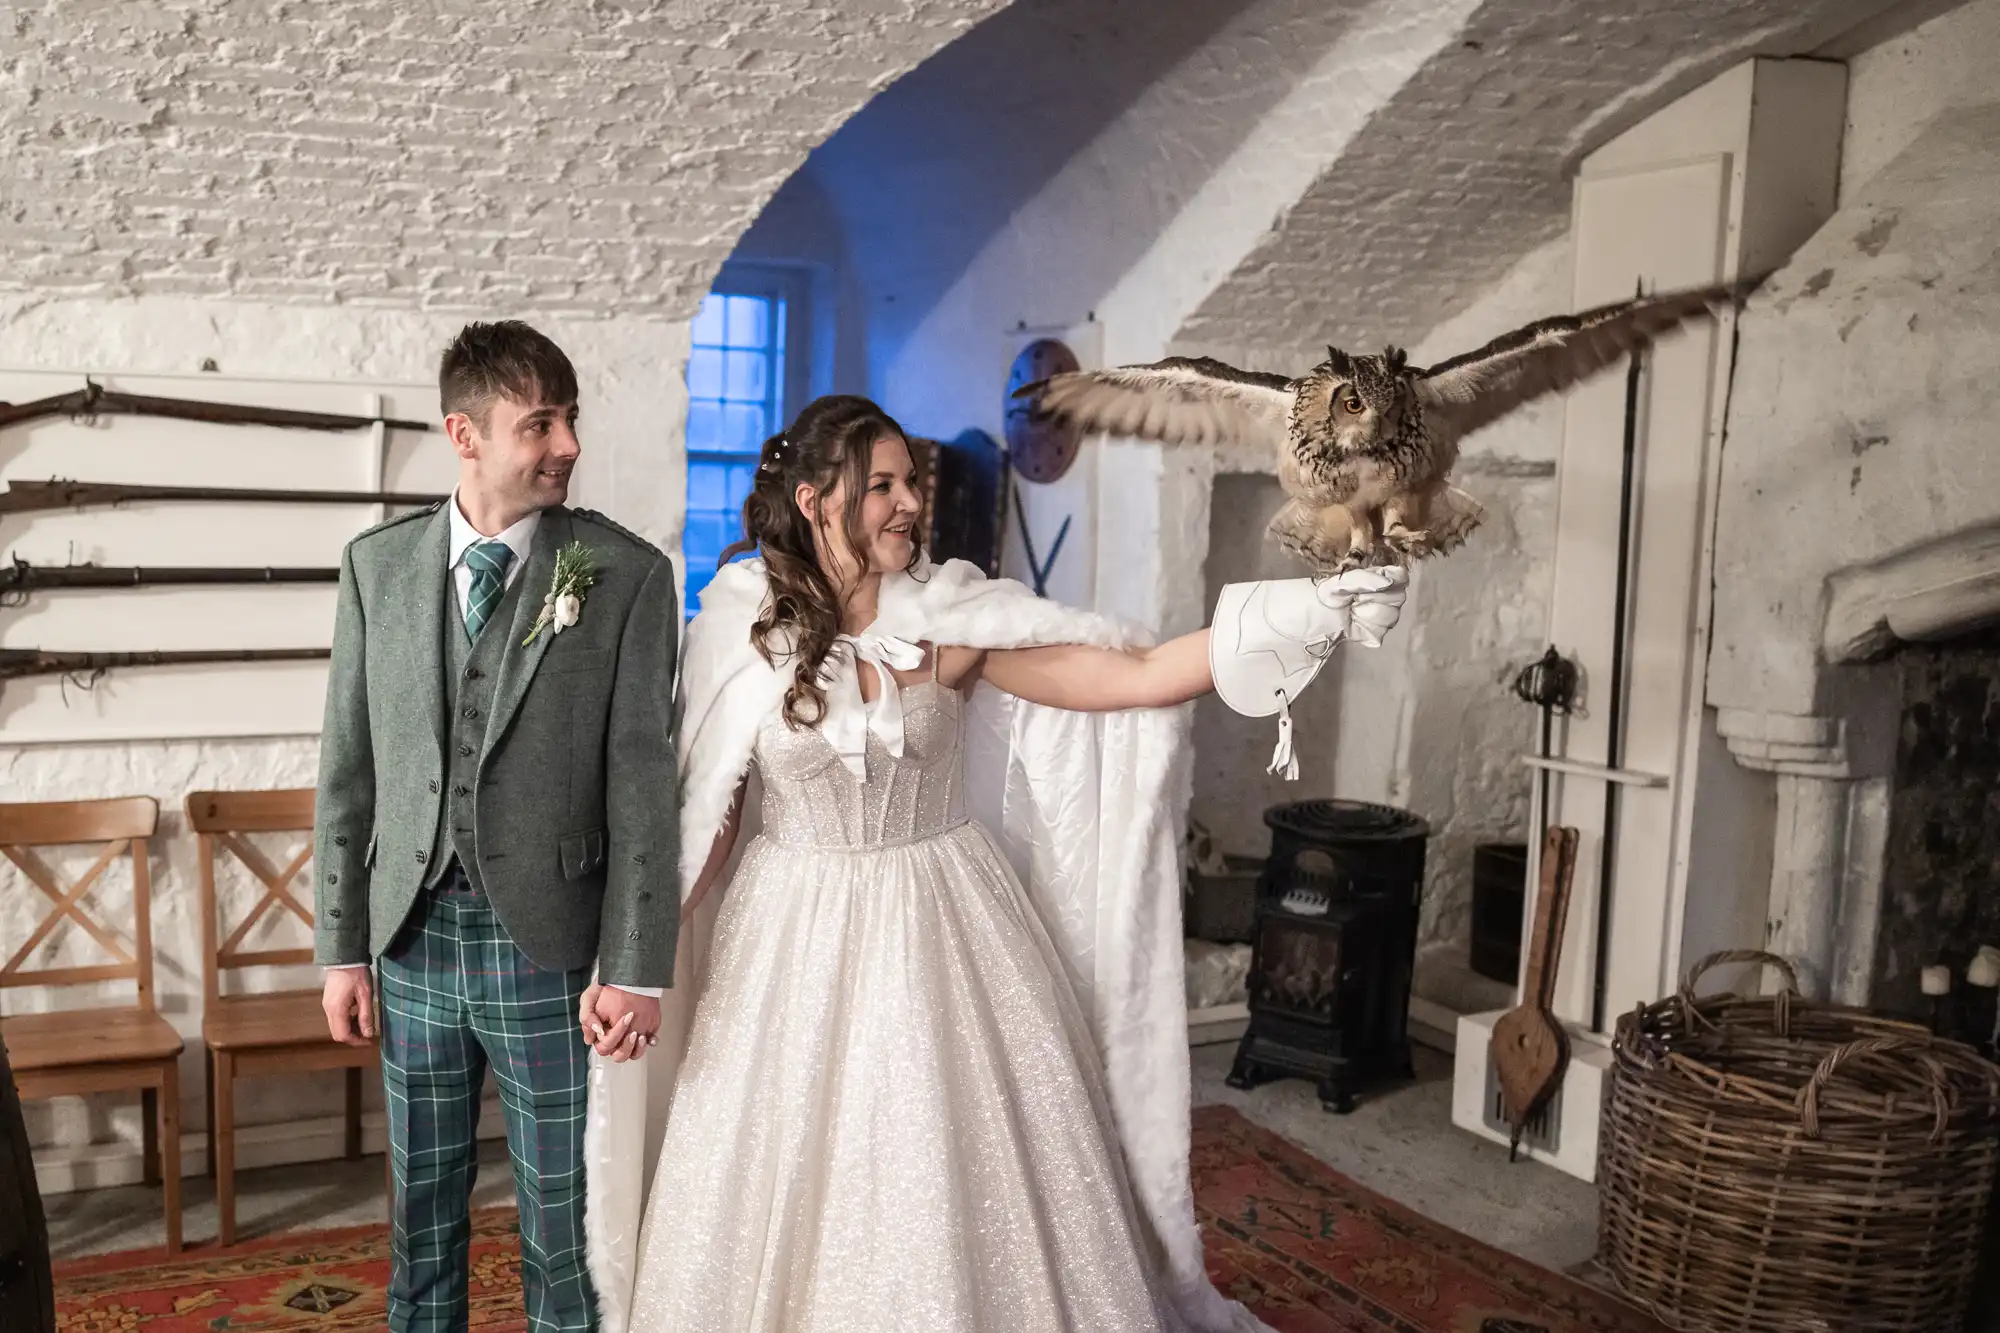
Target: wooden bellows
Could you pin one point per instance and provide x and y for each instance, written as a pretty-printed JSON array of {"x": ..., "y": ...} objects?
[{"x": 1529, "y": 1050}]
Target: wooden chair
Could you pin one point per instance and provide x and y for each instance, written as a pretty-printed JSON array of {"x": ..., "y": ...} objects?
[
  {"x": 275, "y": 1032},
  {"x": 79, "y": 1051}
]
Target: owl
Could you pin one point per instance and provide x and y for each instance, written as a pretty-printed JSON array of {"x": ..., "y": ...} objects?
[{"x": 1365, "y": 444}]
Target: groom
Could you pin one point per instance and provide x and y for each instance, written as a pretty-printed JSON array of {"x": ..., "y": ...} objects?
[{"x": 497, "y": 812}]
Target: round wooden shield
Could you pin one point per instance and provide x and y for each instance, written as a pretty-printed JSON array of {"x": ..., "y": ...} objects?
[{"x": 1042, "y": 448}]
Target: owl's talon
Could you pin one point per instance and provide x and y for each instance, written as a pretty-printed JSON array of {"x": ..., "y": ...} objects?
[
  {"x": 1404, "y": 541},
  {"x": 1332, "y": 567}
]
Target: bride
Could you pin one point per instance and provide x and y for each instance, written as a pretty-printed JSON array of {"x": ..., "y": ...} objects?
[{"x": 937, "y": 1076}]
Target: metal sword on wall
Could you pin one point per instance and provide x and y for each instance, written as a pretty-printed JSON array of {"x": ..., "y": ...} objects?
[{"x": 1615, "y": 684}]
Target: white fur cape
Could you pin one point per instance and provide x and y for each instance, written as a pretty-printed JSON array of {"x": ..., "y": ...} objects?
[{"x": 1087, "y": 807}]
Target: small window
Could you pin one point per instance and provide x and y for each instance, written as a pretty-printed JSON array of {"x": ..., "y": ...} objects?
[{"x": 739, "y": 369}]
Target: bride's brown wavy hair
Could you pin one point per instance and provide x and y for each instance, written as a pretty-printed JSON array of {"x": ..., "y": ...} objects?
[{"x": 831, "y": 442}]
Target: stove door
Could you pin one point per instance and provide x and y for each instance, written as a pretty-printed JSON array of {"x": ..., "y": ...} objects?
[{"x": 1304, "y": 968}]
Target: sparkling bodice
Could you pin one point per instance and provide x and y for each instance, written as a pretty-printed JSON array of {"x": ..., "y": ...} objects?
[{"x": 812, "y": 799}]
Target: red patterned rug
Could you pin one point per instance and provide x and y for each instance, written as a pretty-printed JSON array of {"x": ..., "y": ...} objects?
[
  {"x": 1306, "y": 1248},
  {"x": 305, "y": 1282},
  {"x": 1312, "y": 1252}
]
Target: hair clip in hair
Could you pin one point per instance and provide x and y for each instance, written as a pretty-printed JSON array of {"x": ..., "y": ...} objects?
[{"x": 778, "y": 451}]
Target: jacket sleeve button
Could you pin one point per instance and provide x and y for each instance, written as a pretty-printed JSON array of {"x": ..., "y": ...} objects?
[
  {"x": 340, "y": 839},
  {"x": 332, "y": 878}
]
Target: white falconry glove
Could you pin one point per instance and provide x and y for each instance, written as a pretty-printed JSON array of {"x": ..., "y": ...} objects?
[{"x": 1272, "y": 639}]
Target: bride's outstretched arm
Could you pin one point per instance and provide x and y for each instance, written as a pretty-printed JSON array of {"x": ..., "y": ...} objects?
[
  {"x": 1274, "y": 632},
  {"x": 1103, "y": 680},
  {"x": 718, "y": 855}
]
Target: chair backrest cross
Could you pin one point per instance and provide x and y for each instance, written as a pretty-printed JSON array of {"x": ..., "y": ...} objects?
[
  {"x": 221, "y": 821},
  {"x": 120, "y": 827}
]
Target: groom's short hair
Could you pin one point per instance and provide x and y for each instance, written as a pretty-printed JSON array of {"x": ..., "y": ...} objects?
[{"x": 504, "y": 359}]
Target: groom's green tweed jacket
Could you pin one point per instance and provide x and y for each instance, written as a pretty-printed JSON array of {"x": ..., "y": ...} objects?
[{"x": 576, "y": 816}]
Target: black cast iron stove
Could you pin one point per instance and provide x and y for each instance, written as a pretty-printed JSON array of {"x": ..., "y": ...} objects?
[{"x": 1335, "y": 944}]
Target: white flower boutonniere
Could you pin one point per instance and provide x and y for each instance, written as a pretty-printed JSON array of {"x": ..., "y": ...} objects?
[{"x": 563, "y": 607}]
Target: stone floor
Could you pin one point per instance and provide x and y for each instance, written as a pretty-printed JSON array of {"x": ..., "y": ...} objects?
[{"x": 1399, "y": 1142}]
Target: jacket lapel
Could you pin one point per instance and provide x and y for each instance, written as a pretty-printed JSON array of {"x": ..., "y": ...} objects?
[
  {"x": 518, "y": 664},
  {"x": 426, "y": 628}
]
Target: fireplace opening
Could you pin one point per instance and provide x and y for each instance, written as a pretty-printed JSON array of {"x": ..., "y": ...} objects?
[{"x": 1941, "y": 868}]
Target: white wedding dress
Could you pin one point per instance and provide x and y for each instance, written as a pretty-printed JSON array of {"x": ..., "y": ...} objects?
[{"x": 892, "y": 1115}]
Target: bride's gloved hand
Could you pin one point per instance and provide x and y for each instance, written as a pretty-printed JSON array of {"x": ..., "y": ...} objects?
[{"x": 1271, "y": 639}]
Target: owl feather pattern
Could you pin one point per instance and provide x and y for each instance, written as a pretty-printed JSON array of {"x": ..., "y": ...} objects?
[{"x": 1365, "y": 444}]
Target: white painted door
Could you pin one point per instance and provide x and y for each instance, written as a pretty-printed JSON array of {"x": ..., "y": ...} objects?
[{"x": 1660, "y": 228}]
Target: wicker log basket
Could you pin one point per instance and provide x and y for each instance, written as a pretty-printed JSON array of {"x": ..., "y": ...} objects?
[{"x": 1778, "y": 1164}]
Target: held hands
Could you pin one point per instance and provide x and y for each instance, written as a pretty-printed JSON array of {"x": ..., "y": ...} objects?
[
  {"x": 618, "y": 1024},
  {"x": 348, "y": 998}
]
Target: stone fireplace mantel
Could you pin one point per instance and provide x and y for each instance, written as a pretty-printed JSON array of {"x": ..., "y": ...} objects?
[
  {"x": 1833, "y": 768},
  {"x": 1859, "y": 512},
  {"x": 1936, "y": 591}
]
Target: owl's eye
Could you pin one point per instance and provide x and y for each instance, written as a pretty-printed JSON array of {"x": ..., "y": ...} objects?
[{"x": 1351, "y": 404}]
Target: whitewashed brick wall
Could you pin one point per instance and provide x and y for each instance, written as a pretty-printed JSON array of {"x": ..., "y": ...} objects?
[{"x": 579, "y": 158}]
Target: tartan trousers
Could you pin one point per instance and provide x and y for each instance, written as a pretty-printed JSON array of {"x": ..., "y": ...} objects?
[{"x": 456, "y": 996}]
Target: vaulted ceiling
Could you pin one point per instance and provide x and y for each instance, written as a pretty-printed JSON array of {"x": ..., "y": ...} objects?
[
  {"x": 1457, "y": 172},
  {"x": 1466, "y": 166},
  {"x": 606, "y": 156}
]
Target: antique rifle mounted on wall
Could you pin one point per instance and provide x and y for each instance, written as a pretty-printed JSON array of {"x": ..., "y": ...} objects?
[
  {"x": 94, "y": 400},
  {"x": 34, "y": 497},
  {"x": 21, "y": 578},
  {"x": 85, "y": 668}
]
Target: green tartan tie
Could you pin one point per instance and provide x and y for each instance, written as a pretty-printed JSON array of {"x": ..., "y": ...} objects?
[{"x": 488, "y": 562}]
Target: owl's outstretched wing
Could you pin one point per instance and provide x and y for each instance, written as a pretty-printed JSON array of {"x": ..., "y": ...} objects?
[
  {"x": 1182, "y": 400},
  {"x": 1550, "y": 355}
]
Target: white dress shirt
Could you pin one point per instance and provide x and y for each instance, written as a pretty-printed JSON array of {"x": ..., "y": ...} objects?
[{"x": 520, "y": 538}]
